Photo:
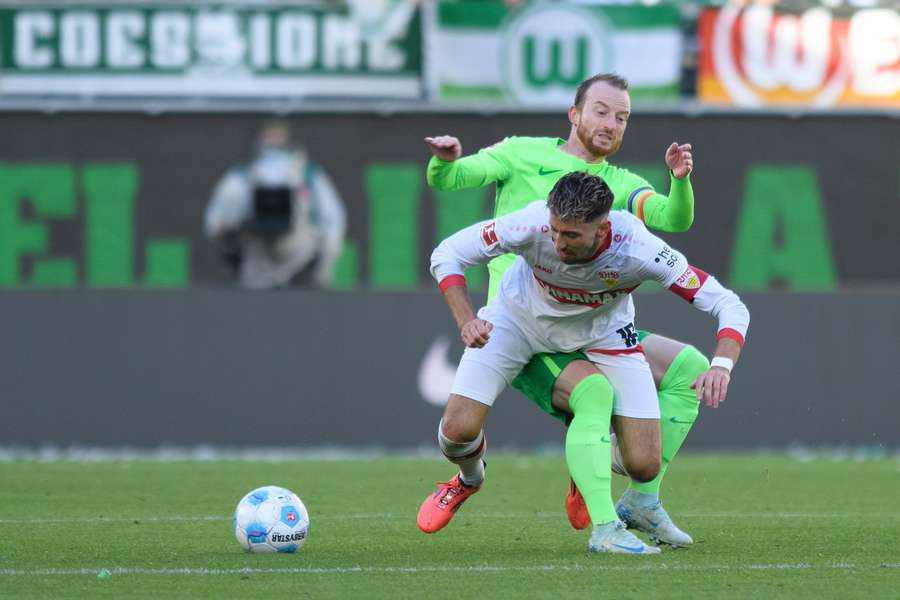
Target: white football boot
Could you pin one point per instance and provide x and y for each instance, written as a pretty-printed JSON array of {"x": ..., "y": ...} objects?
[
  {"x": 614, "y": 537},
  {"x": 650, "y": 518}
]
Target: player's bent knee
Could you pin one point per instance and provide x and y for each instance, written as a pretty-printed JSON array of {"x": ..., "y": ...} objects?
[
  {"x": 645, "y": 470},
  {"x": 463, "y": 418},
  {"x": 694, "y": 363},
  {"x": 460, "y": 430}
]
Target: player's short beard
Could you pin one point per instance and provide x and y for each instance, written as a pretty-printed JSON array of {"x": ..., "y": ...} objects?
[{"x": 587, "y": 140}]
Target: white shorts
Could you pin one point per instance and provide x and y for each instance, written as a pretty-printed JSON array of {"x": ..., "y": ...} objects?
[{"x": 484, "y": 373}]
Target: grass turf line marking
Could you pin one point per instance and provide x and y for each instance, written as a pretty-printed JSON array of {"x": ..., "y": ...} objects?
[
  {"x": 404, "y": 516},
  {"x": 662, "y": 567}
]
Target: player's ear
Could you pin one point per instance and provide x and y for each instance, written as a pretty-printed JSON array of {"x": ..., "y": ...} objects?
[
  {"x": 573, "y": 115},
  {"x": 603, "y": 230}
]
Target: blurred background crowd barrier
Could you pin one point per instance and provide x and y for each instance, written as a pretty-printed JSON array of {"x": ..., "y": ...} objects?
[
  {"x": 830, "y": 53},
  {"x": 122, "y": 119}
]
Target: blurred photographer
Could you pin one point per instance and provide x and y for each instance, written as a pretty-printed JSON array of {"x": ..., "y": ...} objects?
[{"x": 278, "y": 221}]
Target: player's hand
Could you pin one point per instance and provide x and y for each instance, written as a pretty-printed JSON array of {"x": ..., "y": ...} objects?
[
  {"x": 445, "y": 147},
  {"x": 712, "y": 386},
  {"x": 680, "y": 160},
  {"x": 476, "y": 333}
]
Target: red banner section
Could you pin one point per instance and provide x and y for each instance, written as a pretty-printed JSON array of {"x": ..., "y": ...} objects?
[{"x": 760, "y": 55}]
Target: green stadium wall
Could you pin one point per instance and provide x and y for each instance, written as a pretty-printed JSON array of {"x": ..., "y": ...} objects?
[{"x": 90, "y": 200}]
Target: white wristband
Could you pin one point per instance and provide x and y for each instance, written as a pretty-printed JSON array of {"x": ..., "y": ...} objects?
[{"x": 722, "y": 361}]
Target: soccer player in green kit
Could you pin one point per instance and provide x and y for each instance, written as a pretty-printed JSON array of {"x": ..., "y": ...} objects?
[{"x": 525, "y": 169}]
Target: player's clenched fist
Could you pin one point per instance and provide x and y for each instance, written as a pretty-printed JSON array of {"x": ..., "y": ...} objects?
[
  {"x": 712, "y": 386},
  {"x": 476, "y": 333},
  {"x": 445, "y": 147},
  {"x": 680, "y": 160}
]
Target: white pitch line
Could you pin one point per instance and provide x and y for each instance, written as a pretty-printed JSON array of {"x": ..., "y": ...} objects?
[
  {"x": 661, "y": 567},
  {"x": 174, "y": 518},
  {"x": 405, "y": 516}
]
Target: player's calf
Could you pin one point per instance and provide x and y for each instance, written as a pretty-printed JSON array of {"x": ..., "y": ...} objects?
[{"x": 439, "y": 508}]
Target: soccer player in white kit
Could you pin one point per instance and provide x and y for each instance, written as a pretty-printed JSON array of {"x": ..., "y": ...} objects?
[{"x": 568, "y": 290}]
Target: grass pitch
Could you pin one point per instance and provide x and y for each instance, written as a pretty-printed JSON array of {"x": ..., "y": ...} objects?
[{"x": 766, "y": 526}]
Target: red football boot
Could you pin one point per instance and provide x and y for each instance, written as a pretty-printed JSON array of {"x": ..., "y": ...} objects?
[
  {"x": 576, "y": 509},
  {"x": 438, "y": 508}
]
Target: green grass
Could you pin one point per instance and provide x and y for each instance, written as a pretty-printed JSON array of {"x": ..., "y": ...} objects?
[{"x": 765, "y": 526}]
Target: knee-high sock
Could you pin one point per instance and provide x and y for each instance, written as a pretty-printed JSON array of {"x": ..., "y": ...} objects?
[
  {"x": 678, "y": 408},
  {"x": 465, "y": 454},
  {"x": 587, "y": 445}
]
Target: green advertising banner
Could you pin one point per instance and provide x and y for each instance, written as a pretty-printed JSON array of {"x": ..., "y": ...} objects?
[
  {"x": 210, "y": 50},
  {"x": 102, "y": 200},
  {"x": 536, "y": 55}
]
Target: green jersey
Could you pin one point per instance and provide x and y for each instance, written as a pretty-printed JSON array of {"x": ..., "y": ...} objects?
[{"x": 525, "y": 169}]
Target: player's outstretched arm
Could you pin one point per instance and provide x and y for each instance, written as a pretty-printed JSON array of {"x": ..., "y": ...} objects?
[
  {"x": 448, "y": 170},
  {"x": 707, "y": 294},
  {"x": 671, "y": 270},
  {"x": 478, "y": 244},
  {"x": 674, "y": 212}
]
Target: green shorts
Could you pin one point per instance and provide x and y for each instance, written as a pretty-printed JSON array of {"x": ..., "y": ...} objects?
[{"x": 537, "y": 378}]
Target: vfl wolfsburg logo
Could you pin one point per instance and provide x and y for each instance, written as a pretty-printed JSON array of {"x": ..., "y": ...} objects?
[{"x": 549, "y": 50}]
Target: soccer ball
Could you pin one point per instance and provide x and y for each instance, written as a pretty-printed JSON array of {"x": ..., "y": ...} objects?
[{"x": 271, "y": 519}]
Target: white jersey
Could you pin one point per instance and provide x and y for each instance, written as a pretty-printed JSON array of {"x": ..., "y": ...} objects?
[{"x": 586, "y": 306}]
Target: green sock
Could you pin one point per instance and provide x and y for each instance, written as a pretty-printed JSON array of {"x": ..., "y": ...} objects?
[
  {"x": 678, "y": 408},
  {"x": 587, "y": 445}
]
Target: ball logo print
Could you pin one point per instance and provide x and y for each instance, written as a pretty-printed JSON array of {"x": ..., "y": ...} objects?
[
  {"x": 289, "y": 515},
  {"x": 548, "y": 50}
]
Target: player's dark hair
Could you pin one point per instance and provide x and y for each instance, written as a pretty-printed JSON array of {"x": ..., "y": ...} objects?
[
  {"x": 579, "y": 195},
  {"x": 611, "y": 78}
]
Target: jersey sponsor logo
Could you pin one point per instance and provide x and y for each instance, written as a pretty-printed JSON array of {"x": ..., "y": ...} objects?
[
  {"x": 610, "y": 278},
  {"x": 667, "y": 255},
  {"x": 689, "y": 283},
  {"x": 594, "y": 299},
  {"x": 543, "y": 171},
  {"x": 489, "y": 234}
]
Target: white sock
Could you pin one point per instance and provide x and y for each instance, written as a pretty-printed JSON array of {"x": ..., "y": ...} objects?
[{"x": 465, "y": 454}]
